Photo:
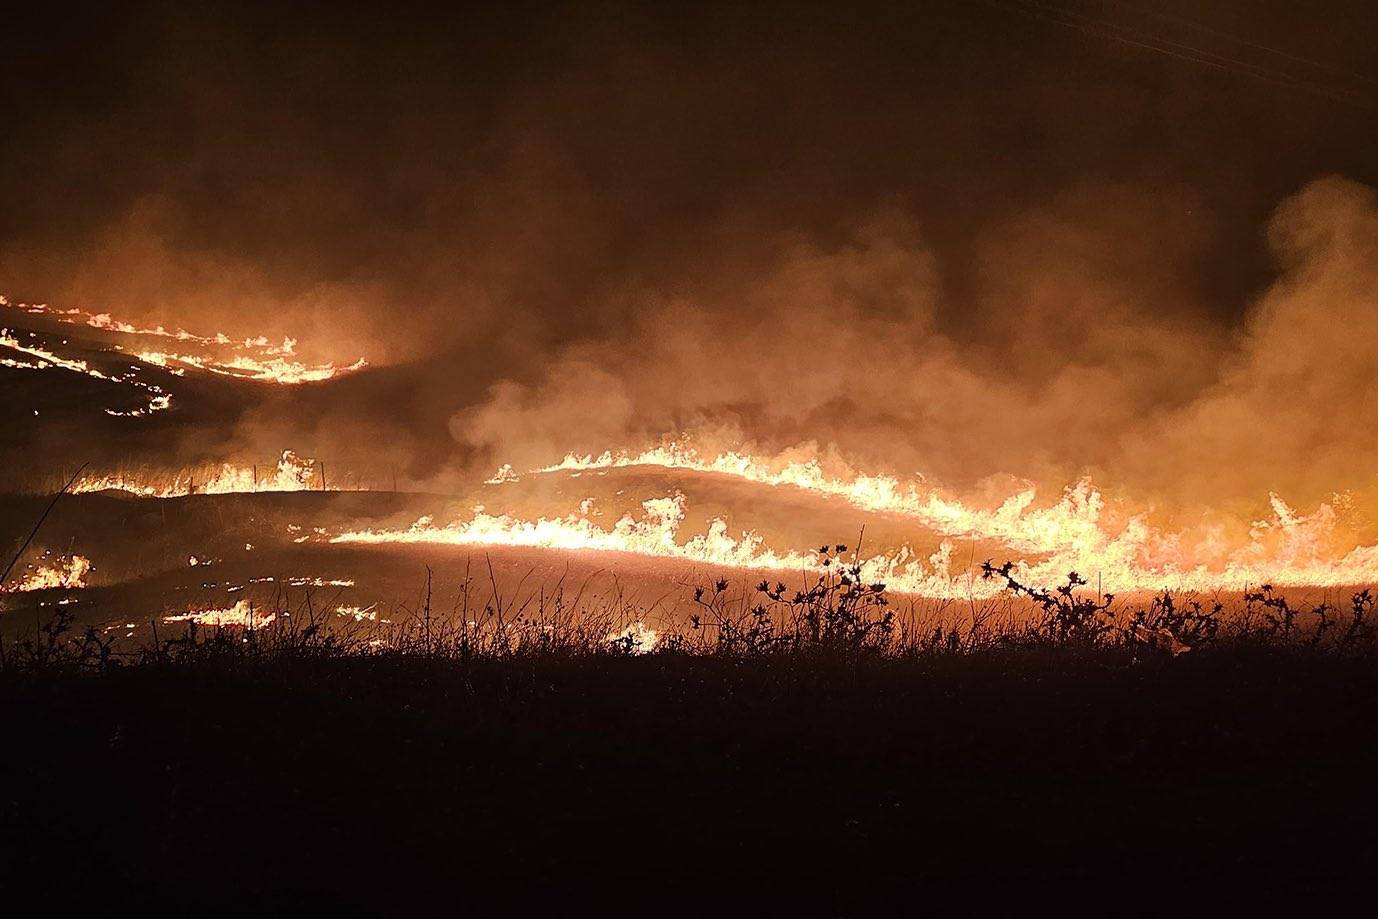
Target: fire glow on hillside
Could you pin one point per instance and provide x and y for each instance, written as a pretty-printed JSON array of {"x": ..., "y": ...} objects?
[
  {"x": 1081, "y": 530},
  {"x": 66, "y": 572},
  {"x": 1074, "y": 534},
  {"x": 291, "y": 473},
  {"x": 789, "y": 455},
  {"x": 256, "y": 359}
]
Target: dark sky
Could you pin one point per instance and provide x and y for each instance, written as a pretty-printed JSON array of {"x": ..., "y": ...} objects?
[
  {"x": 542, "y": 188},
  {"x": 371, "y": 145}
]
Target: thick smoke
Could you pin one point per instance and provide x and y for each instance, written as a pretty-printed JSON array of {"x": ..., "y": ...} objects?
[
  {"x": 1291, "y": 408},
  {"x": 955, "y": 244},
  {"x": 1083, "y": 352}
]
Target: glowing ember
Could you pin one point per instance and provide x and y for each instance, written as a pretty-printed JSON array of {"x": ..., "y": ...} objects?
[
  {"x": 318, "y": 582},
  {"x": 66, "y": 572}
]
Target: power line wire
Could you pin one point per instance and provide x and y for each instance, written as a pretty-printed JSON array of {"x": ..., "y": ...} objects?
[
  {"x": 1245, "y": 42},
  {"x": 1139, "y": 38}
]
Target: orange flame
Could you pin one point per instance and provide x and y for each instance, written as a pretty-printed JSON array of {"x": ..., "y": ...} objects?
[
  {"x": 292, "y": 473},
  {"x": 66, "y": 572},
  {"x": 241, "y": 615},
  {"x": 656, "y": 534},
  {"x": 255, "y": 359},
  {"x": 158, "y": 398},
  {"x": 1075, "y": 533}
]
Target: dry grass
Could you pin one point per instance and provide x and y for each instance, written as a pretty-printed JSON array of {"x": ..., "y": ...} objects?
[{"x": 834, "y": 615}]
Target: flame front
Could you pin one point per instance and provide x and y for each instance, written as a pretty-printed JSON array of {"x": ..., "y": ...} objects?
[
  {"x": 65, "y": 572},
  {"x": 256, "y": 359},
  {"x": 1073, "y": 534},
  {"x": 1080, "y": 530},
  {"x": 43, "y": 359},
  {"x": 292, "y": 473},
  {"x": 655, "y": 534},
  {"x": 637, "y": 638},
  {"x": 241, "y": 615}
]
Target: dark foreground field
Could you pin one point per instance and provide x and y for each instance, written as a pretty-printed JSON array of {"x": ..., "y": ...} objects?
[{"x": 832, "y": 782}]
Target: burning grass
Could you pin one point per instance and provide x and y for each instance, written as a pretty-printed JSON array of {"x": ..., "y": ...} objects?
[
  {"x": 798, "y": 747},
  {"x": 65, "y": 572},
  {"x": 1083, "y": 528},
  {"x": 836, "y": 613},
  {"x": 256, "y": 359},
  {"x": 290, "y": 473}
]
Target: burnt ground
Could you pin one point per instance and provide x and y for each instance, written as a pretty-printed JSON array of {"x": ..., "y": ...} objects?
[{"x": 380, "y": 784}]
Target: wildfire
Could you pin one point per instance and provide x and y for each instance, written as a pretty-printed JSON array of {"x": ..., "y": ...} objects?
[
  {"x": 655, "y": 534},
  {"x": 1076, "y": 533},
  {"x": 358, "y": 613},
  {"x": 256, "y": 359},
  {"x": 1073, "y": 519},
  {"x": 158, "y": 398},
  {"x": 271, "y": 370},
  {"x": 292, "y": 473},
  {"x": 1077, "y": 529},
  {"x": 66, "y": 572},
  {"x": 241, "y": 615}
]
